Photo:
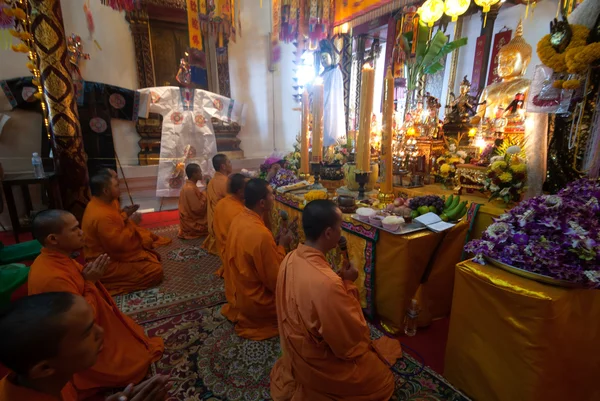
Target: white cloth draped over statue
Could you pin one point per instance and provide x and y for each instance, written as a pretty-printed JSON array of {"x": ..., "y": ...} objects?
[
  {"x": 188, "y": 135},
  {"x": 334, "y": 119}
]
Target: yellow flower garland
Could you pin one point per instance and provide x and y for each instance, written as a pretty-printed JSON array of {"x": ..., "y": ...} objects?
[{"x": 576, "y": 58}]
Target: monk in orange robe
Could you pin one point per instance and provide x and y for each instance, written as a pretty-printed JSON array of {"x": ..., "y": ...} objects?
[
  {"x": 252, "y": 259},
  {"x": 192, "y": 206},
  {"x": 132, "y": 266},
  {"x": 48, "y": 338},
  {"x": 327, "y": 353},
  {"x": 150, "y": 239},
  {"x": 226, "y": 211},
  {"x": 216, "y": 190},
  {"x": 127, "y": 352}
]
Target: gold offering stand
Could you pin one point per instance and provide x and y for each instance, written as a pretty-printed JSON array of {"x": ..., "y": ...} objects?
[{"x": 470, "y": 177}]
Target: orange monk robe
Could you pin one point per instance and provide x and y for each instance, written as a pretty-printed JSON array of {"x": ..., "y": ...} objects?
[
  {"x": 127, "y": 352},
  {"x": 149, "y": 239},
  {"x": 252, "y": 261},
  {"x": 226, "y": 211},
  {"x": 11, "y": 392},
  {"x": 326, "y": 347},
  {"x": 132, "y": 267},
  {"x": 216, "y": 190},
  {"x": 192, "y": 212}
]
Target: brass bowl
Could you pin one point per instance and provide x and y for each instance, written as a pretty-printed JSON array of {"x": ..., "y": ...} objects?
[{"x": 346, "y": 201}]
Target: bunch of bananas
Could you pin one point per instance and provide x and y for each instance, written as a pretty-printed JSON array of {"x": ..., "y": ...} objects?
[
  {"x": 314, "y": 195},
  {"x": 454, "y": 209}
]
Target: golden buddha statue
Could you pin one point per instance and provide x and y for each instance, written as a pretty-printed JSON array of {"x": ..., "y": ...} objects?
[{"x": 501, "y": 103}]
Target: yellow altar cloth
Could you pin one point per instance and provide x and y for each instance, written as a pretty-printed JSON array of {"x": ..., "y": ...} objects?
[
  {"x": 512, "y": 338},
  {"x": 392, "y": 267},
  {"x": 487, "y": 212}
]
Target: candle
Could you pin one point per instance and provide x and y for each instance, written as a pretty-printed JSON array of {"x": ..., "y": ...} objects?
[
  {"x": 317, "y": 132},
  {"x": 363, "y": 143},
  {"x": 304, "y": 158},
  {"x": 387, "y": 131}
]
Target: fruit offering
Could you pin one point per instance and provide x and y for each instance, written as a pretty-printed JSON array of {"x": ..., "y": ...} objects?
[
  {"x": 399, "y": 207},
  {"x": 454, "y": 209},
  {"x": 426, "y": 204}
]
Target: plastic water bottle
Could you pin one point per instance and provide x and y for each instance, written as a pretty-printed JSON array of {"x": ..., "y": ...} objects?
[
  {"x": 410, "y": 320},
  {"x": 38, "y": 167}
]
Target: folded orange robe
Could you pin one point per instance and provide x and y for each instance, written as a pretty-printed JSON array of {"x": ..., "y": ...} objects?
[
  {"x": 192, "y": 212},
  {"x": 215, "y": 191},
  {"x": 132, "y": 267},
  {"x": 127, "y": 352},
  {"x": 252, "y": 259},
  {"x": 149, "y": 239},
  {"x": 11, "y": 392},
  {"x": 326, "y": 347},
  {"x": 226, "y": 211}
]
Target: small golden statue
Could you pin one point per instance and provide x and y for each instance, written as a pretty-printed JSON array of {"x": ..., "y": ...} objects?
[
  {"x": 501, "y": 107},
  {"x": 462, "y": 107}
]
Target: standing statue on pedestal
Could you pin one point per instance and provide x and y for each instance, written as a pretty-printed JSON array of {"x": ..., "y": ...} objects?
[{"x": 334, "y": 119}]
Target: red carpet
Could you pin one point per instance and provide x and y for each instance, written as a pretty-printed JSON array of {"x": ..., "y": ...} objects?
[{"x": 429, "y": 343}]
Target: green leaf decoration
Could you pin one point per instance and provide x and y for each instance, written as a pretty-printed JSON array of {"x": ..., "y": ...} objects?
[{"x": 433, "y": 68}]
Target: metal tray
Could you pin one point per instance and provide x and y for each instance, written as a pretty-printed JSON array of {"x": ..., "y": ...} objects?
[
  {"x": 404, "y": 229},
  {"x": 533, "y": 276}
]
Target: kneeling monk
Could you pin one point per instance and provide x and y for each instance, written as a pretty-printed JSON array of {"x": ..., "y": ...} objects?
[
  {"x": 132, "y": 267},
  {"x": 127, "y": 352},
  {"x": 226, "y": 211},
  {"x": 46, "y": 339},
  {"x": 327, "y": 353},
  {"x": 215, "y": 191},
  {"x": 192, "y": 206},
  {"x": 252, "y": 259},
  {"x": 149, "y": 239}
]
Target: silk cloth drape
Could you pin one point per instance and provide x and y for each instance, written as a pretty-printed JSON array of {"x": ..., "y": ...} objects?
[
  {"x": 391, "y": 266},
  {"x": 512, "y": 338}
]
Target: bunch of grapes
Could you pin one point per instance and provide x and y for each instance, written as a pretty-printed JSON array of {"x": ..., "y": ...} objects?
[{"x": 428, "y": 200}]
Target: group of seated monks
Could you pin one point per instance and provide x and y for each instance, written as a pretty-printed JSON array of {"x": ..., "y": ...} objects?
[{"x": 69, "y": 341}]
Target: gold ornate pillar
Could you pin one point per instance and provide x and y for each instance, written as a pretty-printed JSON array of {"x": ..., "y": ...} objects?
[{"x": 59, "y": 96}]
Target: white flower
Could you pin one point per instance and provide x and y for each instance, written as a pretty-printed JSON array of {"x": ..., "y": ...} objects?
[
  {"x": 494, "y": 188},
  {"x": 496, "y": 159},
  {"x": 452, "y": 148},
  {"x": 462, "y": 154},
  {"x": 513, "y": 150},
  {"x": 505, "y": 192}
]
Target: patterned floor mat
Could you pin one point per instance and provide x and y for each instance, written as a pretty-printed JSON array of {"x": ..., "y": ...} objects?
[
  {"x": 189, "y": 282},
  {"x": 208, "y": 361}
]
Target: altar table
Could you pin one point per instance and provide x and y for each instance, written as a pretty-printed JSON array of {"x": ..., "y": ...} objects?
[
  {"x": 512, "y": 338},
  {"x": 392, "y": 267},
  {"x": 485, "y": 216}
]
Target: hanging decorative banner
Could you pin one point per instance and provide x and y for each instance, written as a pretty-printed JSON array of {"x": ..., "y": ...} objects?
[
  {"x": 358, "y": 12},
  {"x": 477, "y": 64},
  {"x": 293, "y": 19},
  {"x": 217, "y": 19},
  {"x": 500, "y": 39},
  {"x": 194, "y": 25},
  {"x": 122, "y": 5}
]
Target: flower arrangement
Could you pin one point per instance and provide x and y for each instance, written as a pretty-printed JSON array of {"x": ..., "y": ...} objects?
[
  {"x": 445, "y": 166},
  {"x": 507, "y": 175},
  {"x": 283, "y": 177},
  {"x": 575, "y": 59},
  {"x": 553, "y": 235},
  {"x": 340, "y": 153},
  {"x": 292, "y": 159}
]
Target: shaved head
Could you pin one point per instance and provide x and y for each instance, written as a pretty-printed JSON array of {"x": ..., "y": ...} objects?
[
  {"x": 49, "y": 222},
  {"x": 108, "y": 171},
  {"x": 318, "y": 216},
  {"x": 99, "y": 183},
  {"x": 237, "y": 182},
  {"x": 192, "y": 169},
  {"x": 32, "y": 329}
]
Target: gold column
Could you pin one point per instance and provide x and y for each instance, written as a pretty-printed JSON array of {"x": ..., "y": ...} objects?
[{"x": 59, "y": 96}]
